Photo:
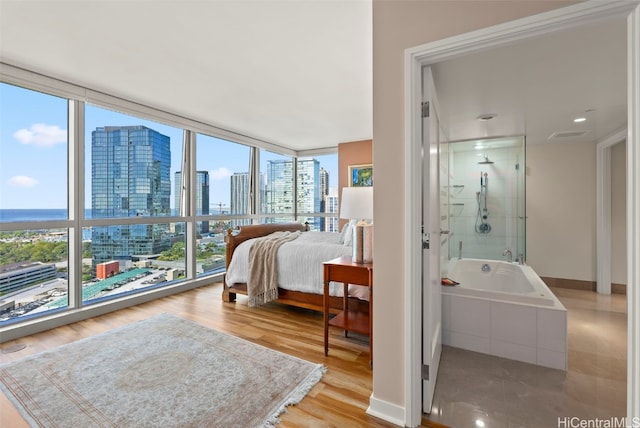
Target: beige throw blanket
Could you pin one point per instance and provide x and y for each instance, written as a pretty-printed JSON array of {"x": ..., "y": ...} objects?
[{"x": 262, "y": 282}]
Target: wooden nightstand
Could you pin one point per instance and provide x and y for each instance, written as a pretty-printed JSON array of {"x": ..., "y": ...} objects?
[{"x": 344, "y": 270}]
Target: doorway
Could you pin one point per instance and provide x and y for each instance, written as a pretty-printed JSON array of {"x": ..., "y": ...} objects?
[{"x": 436, "y": 52}]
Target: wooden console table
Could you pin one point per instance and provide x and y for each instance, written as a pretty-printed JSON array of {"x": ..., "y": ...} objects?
[{"x": 344, "y": 270}]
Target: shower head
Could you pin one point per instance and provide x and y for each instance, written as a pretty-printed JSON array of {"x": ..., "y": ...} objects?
[{"x": 486, "y": 161}]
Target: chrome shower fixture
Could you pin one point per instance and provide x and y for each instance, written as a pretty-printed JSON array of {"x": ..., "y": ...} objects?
[
  {"x": 486, "y": 161},
  {"x": 482, "y": 226}
]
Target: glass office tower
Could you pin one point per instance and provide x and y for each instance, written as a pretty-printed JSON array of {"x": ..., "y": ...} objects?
[
  {"x": 202, "y": 197},
  {"x": 130, "y": 176},
  {"x": 239, "y": 193},
  {"x": 279, "y": 193}
]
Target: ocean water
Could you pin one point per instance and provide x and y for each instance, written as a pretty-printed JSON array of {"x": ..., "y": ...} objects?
[{"x": 9, "y": 215}]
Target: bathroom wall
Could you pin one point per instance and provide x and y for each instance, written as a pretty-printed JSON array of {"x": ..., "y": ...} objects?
[
  {"x": 561, "y": 210},
  {"x": 502, "y": 202},
  {"x": 619, "y": 214}
]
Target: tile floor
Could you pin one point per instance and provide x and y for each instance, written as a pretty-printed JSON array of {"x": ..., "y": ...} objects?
[{"x": 501, "y": 393}]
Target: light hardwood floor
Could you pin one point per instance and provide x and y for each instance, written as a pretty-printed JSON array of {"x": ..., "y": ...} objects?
[{"x": 339, "y": 400}]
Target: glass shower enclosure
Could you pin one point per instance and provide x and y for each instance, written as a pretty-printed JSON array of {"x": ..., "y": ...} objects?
[{"x": 486, "y": 192}]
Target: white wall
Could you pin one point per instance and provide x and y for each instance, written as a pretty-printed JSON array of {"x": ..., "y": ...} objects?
[
  {"x": 561, "y": 210},
  {"x": 618, "y": 214},
  {"x": 561, "y": 234}
]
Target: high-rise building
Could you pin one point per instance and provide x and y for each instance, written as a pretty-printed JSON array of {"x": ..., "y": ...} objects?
[
  {"x": 240, "y": 197},
  {"x": 324, "y": 182},
  {"x": 202, "y": 197},
  {"x": 130, "y": 176},
  {"x": 324, "y": 194},
  {"x": 331, "y": 206},
  {"x": 239, "y": 193},
  {"x": 279, "y": 192},
  {"x": 279, "y": 187}
]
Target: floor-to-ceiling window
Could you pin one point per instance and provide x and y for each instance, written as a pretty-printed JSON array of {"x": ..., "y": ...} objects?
[
  {"x": 128, "y": 167},
  {"x": 34, "y": 250},
  {"x": 276, "y": 187},
  {"x": 223, "y": 180},
  {"x": 317, "y": 192},
  {"x": 100, "y": 205}
]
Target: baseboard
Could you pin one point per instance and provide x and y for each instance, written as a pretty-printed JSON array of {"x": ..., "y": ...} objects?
[
  {"x": 619, "y": 288},
  {"x": 386, "y": 411},
  {"x": 576, "y": 284}
]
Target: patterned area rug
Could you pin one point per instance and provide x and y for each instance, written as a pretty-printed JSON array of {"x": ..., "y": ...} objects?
[{"x": 164, "y": 371}]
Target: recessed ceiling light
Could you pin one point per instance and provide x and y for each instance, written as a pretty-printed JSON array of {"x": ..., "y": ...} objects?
[
  {"x": 486, "y": 117},
  {"x": 579, "y": 119}
]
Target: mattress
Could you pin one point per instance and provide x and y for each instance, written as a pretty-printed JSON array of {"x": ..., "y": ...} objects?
[{"x": 299, "y": 264}]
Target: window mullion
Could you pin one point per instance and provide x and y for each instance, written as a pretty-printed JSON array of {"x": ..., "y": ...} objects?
[
  {"x": 189, "y": 194},
  {"x": 254, "y": 182},
  {"x": 294, "y": 167},
  {"x": 75, "y": 147}
]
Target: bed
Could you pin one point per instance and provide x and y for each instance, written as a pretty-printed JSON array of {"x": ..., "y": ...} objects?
[{"x": 299, "y": 266}]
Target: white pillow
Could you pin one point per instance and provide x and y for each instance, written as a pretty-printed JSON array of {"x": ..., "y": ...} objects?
[{"x": 348, "y": 238}]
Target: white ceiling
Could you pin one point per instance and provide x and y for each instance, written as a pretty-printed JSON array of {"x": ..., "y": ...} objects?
[
  {"x": 299, "y": 73},
  {"x": 293, "y": 73},
  {"x": 537, "y": 87}
]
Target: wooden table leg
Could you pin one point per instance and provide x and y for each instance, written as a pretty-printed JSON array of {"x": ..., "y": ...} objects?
[
  {"x": 345, "y": 306},
  {"x": 371, "y": 319},
  {"x": 325, "y": 301}
]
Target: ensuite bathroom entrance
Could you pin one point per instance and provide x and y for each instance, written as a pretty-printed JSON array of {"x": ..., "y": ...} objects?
[
  {"x": 497, "y": 233},
  {"x": 486, "y": 198}
]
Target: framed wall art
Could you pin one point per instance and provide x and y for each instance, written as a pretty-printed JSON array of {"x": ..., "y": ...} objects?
[{"x": 361, "y": 175}]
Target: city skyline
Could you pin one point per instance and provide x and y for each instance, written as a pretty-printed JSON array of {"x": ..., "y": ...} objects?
[{"x": 33, "y": 128}]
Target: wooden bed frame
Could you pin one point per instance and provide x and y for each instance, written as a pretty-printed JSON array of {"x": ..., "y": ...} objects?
[{"x": 293, "y": 298}]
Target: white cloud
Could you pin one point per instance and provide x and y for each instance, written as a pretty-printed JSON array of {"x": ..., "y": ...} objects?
[
  {"x": 220, "y": 173},
  {"x": 41, "y": 135},
  {"x": 22, "y": 181}
]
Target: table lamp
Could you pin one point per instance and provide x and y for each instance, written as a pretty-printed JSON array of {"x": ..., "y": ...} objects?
[{"x": 357, "y": 203}]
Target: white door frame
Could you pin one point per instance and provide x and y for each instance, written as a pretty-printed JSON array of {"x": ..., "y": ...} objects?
[
  {"x": 603, "y": 210},
  {"x": 457, "y": 46}
]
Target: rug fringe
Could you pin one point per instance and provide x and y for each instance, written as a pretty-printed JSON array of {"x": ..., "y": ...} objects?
[{"x": 296, "y": 395}]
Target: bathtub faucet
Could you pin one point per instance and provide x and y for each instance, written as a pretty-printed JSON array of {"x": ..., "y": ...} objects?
[{"x": 509, "y": 254}]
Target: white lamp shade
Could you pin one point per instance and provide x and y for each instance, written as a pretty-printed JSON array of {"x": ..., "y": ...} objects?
[{"x": 357, "y": 203}]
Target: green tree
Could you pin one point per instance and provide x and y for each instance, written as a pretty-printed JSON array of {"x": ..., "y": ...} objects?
[
  {"x": 176, "y": 252},
  {"x": 39, "y": 251},
  {"x": 87, "y": 250}
]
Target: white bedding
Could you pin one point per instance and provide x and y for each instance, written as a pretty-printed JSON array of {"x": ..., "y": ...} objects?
[{"x": 299, "y": 264}]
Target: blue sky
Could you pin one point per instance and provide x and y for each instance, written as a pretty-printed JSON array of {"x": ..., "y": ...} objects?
[{"x": 33, "y": 151}]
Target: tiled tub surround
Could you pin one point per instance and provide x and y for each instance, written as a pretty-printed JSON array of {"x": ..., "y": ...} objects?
[
  {"x": 503, "y": 393},
  {"x": 507, "y": 312}
]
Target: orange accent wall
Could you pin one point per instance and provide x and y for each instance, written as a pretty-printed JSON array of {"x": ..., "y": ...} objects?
[{"x": 352, "y": 153}]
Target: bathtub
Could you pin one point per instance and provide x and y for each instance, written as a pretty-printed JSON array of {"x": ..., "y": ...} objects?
[{"x": 503, "y": 309}]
